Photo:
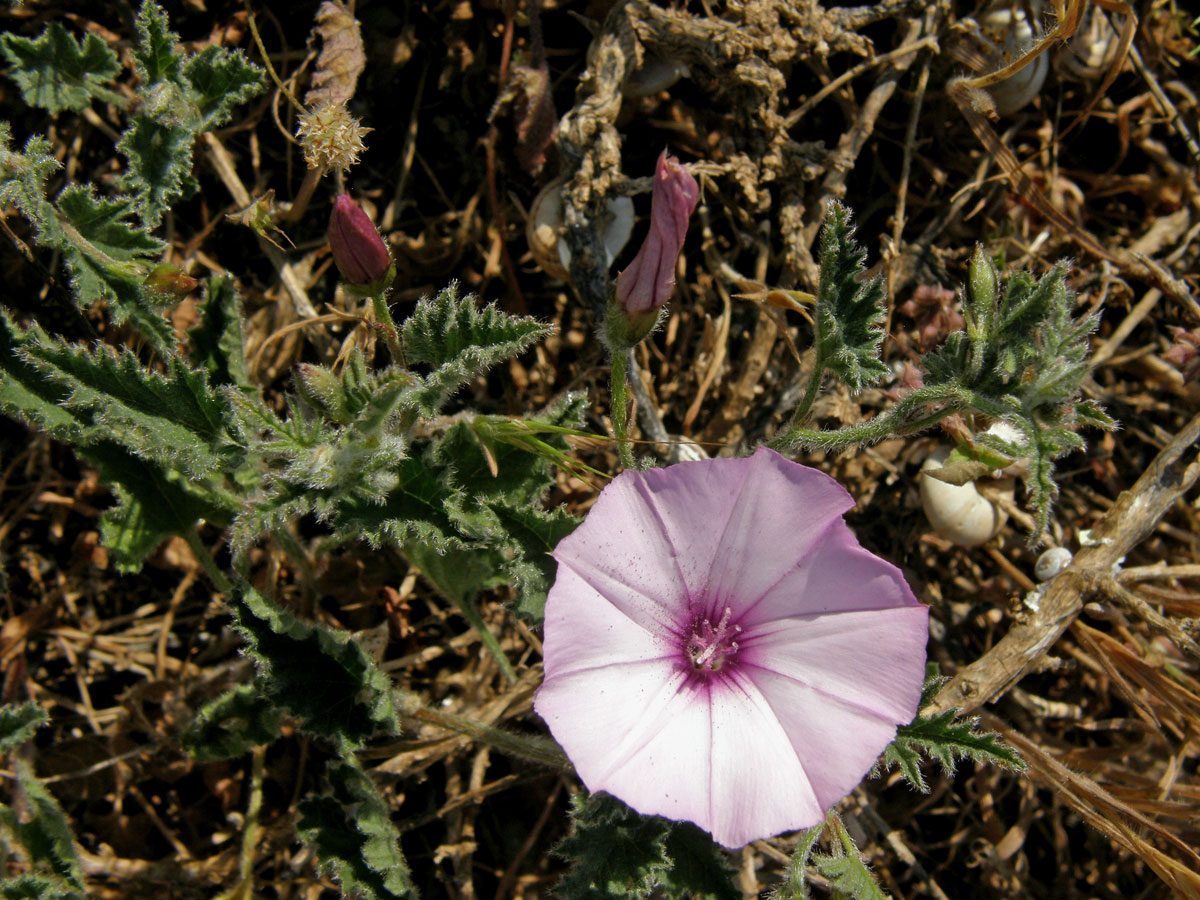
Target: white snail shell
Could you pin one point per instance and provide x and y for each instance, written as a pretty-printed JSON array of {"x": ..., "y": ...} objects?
[
  {"x": 959, "y": 513},
  {"x": 1011, "y": 35},
  {"x": 544, "y": 227},
  {"x": 1051, "y": 562}
]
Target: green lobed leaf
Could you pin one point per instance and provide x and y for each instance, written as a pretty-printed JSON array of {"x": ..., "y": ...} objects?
[
  {"x": 614, "y": 852},
  {"x": 217, "y": 341},
  {"x": 352, "y": 834},
  {"x": 220, "y": 80},
  {"x": 37, "y": 887},
  {"x": 29, "y": 395},
  {"x": 160, "y": 164},
  {"x": 459, "y": 340},
  {"x": 180, "y": 99},
  {"x": 847, "y": 871},
  {"x": 23, "y": 178},
  {"x": 319, "y": 675},
  {"x": 174, "y": 419},
  {"x": 55, "y": 73},
  {"x": 153, "y": 504},
  {"x": 945, "y": 739},
  {"x": 41, "y": 830},
  {"x": 849, "y": 313},
  {"x": 18, "y": 724},
  {"x": 108, "y": 259},
  {"x": 699, "y": 869},
  {"x": 156, "y": 53},
  {"x": 232, "y": 724}
]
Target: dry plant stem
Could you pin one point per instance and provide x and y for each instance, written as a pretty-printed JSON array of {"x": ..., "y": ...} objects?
[
  {"x": 1110, "y": 588},
  {"x": 299, "y": 205},
  {"x": 1117, "y": 821},
  {"x": 1164, "y": 102},
  {"x": 223, "y": 163},
  {"x": 1122, "y": 528}
]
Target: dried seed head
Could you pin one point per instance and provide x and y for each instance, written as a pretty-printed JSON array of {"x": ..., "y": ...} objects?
[{"x": 331, "y": 137}]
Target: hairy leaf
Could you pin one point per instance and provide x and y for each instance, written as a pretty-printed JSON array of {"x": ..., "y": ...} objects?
[
  {"x": 614, "y": 852},
  {"x": 946, "y": 739},
  {"x": 849, "y": 312},
  {"x": 55, "y": 73},
  {"x": 153, "y": 504},
  {"x": 18, "y": 723},
  {"x": 37, "y": 887},
  {"x": 459, "y": 340},
  {"x": 234, "y": 723},
  {"x": 216, "y": 342},
  {"x": 699, "y": 869},
  {"x": 352, "y": 833},
  {"x": 319, "y": 675},
  {"x": 174, "y": 419},
  {"x": 41, "y": 831},
  {"x": 847, "y": 870}
]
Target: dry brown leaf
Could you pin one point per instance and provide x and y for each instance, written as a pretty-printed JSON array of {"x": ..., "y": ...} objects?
[{"x": 342, "y": 58}]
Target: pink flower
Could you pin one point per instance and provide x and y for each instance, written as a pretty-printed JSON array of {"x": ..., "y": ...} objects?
[
  {"x": 359, "y": 252},
  {"x": 649, "y": 280},
  {"x": 720, "y": 649}
]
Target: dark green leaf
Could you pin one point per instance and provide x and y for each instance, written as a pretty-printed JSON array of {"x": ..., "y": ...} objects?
[
  {"x": 850, "y": 312},
  {"x": 319, "y": 675},
  {"x": 55, "y": 73},
  {"x": 232, "y": 724},
  {"x": 352, "y": 833},
  {"x": 157, "y": 52},
  {"x": 153, "y": 504},
  {"x": 216, "y": 342},
  {"x": 615, "y": 853}
]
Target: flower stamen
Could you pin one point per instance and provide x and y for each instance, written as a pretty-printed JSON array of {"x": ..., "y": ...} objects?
[{"x": 708, "y": 648}]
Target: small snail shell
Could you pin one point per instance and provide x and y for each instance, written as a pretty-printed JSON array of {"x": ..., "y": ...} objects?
[
  {"x": 1092, "y": 49},
  {"x": 1051, "y": 563},
  {"x": 1011, "y": 35},
  {"x": 544, "y": 227},
  {"x": 959, "y": 513}
]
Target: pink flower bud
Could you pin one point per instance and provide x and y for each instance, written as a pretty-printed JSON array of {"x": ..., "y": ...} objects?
[
  {"x": 358, "y": 250},
  {"x": 650, "y": 279}
]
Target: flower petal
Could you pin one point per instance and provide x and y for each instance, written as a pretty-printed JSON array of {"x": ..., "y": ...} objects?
[
  {"x": 712, "y": 753},
  {"x": 873, "y": 660},
  {"x": 591, "y": 631},
  {"x": 837, "y": 743},
  {"x": 738, "y": 525},
  {"x": 838, "y": 574},
  {"x": 622, "y": 543}
]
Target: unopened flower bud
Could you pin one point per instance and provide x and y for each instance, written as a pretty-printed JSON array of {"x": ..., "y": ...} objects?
[
  {"x": 167, "y": 279},
  {"x": 647, "y": 284},
  {"x": 358, "y": 250},
  {"x": 650, "y": 279}
]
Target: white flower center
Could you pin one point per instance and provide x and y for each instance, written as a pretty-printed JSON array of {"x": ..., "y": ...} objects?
[{"x": 709, "y": 648}]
